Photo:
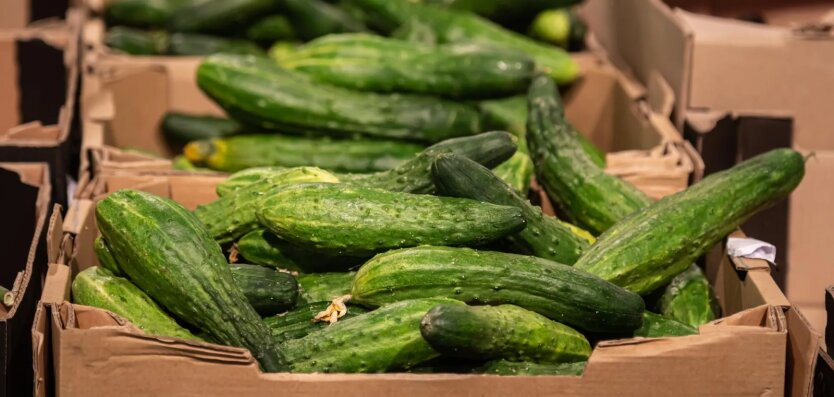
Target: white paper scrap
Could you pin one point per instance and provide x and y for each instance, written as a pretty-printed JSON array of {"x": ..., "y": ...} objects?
[{"x": 751, "y": 248}]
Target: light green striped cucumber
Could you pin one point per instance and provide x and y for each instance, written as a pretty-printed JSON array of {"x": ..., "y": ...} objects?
[
  {"x": 516, "y": 172},
  {"x": 98, "y": 287},
  {"x": 316, "y": 287},
  {"x": 657, "y": 326},
  {"x": 690, "y": 299}
]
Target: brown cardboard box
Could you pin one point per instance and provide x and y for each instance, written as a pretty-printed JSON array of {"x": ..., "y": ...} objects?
[
  {"x": 744, "y": 353},
  {"x": 742, "y": 89},
  {"x": 18, "y": 14},
  {"x": 39, "y": 76},
  {"x": 24, "y": 209}
]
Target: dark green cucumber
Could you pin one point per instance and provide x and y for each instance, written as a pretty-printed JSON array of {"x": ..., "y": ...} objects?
[
  {"x": 136, "y": 42},
  {"x": 220, "y": 16},
  {"x": 191, "y": 44},
  {"x": 460, "y": 26},
  {"x": 233, "y": 215},
  {"x": 344, "y": 155},
  {"x": 315, "y": 18},
  {"x": 501, "y": 332},
  {"x": 415, "y": 32},
  {"x": 182, "y": 128},
  {"x": 382, "y": 340},
  {"x": 267, "y": 290},
  {"x": 545, "y": 236},
  {"x": 297, "y": 323},
  {"x": 447, "y": 365},
  {"x": 167, "y": 252},
  {"x": 99, "y": 287},
  {"x": 648, "y": 249},
  {"x": 105, "y": 257},
  {"x": 271, "y": 29},
  {"x": 257, "y": 91},
  {"x": 264, "y": 248},
  {"x": 507, "y": 368},
  {"x": 516, "y": 172},
  {"x": 583, "y": 191},
  {"x": 324, "y": 286},
  {"x": 505, "y": 11},
  {"x": 556, "y": 291},
  {"x": 142, "y": 13},
  {"x": 690, "y": 299},
  {"x": 559, "y": 26},
  {"x": 346, "y": 220},
  {"x": 244, "y": 178},
  {"x": 657, "y": 326},
  {"x": 366, "y": 62}
]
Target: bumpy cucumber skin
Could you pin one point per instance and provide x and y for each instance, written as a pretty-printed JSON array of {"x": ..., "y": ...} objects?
[
  {"x": 98, "y": 287},
  {"x": 382, "y": 340},
  {"x": 544, "y": 236},
  {"x": 297, "y": 323},
  {"x": 457, "y": 26},
  {"x": 587, "y": 195},
  {"x": 105, "y": 257},
  {"x": 244, "y": 178},
  {"x": 505, "y": 331},
  {"x": 366, "y": 62},
  {"x": 190, "y": 44},
  {"x": 517, "y": 171},
  {"x": 510, "y": 368},
  {"x": 182, "y": 128},
  {"x": 263, "y": 248},
  {"x": 315, "y": 18},
  {"x": 346, "y": 220},
  {"x": 232, "y": 216},
  {"x": 267, "y": 290},
  {"x": 649, "y": 248},
  {"x": 261, "y": 150},
  {"x": 167, "y": 252},
  {"x": 259, "y": 92},
  {"x": 690, "y": 299},
  {"x": 556, "y": 291},
  {"x": 657, "y": 326},
  {"x": 324, "y": 286},
  {"x": 219, "y": 16}
]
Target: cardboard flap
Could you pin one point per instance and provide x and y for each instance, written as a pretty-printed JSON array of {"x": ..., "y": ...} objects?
[
  {"x": 55, "y": 236},
  {"x": 803, "y": 344}
]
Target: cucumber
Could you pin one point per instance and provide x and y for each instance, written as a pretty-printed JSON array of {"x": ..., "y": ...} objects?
[
  {"x": 545, "y": 236},
  {"x": 648, "y": 249},
  {"x": 105, "y": 257},
  {"x": 219, "y": 16},
  {"x": 347, "y": 155},
  {"x": 559, "y": 26},
  {"x": 366, "y": 62},
  {"x": 314, "y": 18},
  {"x": 504, "y": 11},
  {"x": 298, "y": 322},
  {"x": 136, "y": 42},
  {"x": 657, "y": 326},
  {"x": 382, "y": 340},
  {"x": 504, "y": 367},
  {"x": 588, "y": 196},
  {"x": 191, "y": 44},
  {"x": 167, "y": 252},
  {"x": 270, "y": 29},
  {"x": 501, "y": 332},
  {"x": 281, "y": 49},
  {"x": 267, "y": 290},
  {"x": 415, "y": 32},
  {"x": 99, "y": 287},
  {"x": 516, "y": 172},
  {"x": 233, "y": 215},
  {"x": 180, "y": 163},
  {"x": 257, "y": 91},
  {"x": 556, "y": 291},
  {"x": 447, "y": 365},
  {"x": 141, "y": 13},
  {"x": 244, "y": 178},
  {"x": 182, "y": 128},
  {"x": 263, "y": 248},
  {"x": 346, "y": 220},
  {"x": 690, "y": 299},
  {"x": 460, "y": 26},
  {"x": 324, "y": 286}
]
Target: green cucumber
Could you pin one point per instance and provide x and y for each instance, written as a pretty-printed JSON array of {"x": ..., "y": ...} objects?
[
  {"x": 136, "y": 42},
  {"x": 267, "y": 290},
  {"x": 648, "y": 249},
  {"x": 451, "y": 26},
  {"x": 180, "y": 163},
  {"x": 504, "y": 11},
  {"x": 105, "y": 257},
  {"x": 504, "y": 367},
  {"x": 167, "y": 252},
  {"x": 264, "y": 248},
  {"x": 244, "y": 178},
  {"x": 690, "y": 299},
  {"x": 345, "y": 155},
  {"x": 657, "y": 326},
  {"x": 501, "y": 332},
  {"x": 271, "y": 29},
  {"x": 324, "y": 286},
  {"x": 233, "y": 215},
  {"x": 315, "y": 18},
  {"x": 298, "y": 322},
  {"x": 588, "y": 196},
  {"x": 182, "y": 128},
  {"x": 545, "y": 236},
  {"x": 516, "y": 172},
  {"x": 556, "y": 291},
  {"x": 219, "y": 16},
  {"x": 142, "y": 13},
  {"x": 382, "y": 340},
  {"x": 346, "y": 220},
  {"x": 191, "y": 44},
  {"x": 559, "y": 26},
  {"x": 365, "y": 62},
  {"x": 257, "y": 91},
  {"x": 99, "y": 287}
]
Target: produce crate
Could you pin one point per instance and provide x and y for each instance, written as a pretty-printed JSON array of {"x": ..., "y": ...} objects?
[
  {"x": 18, "y": 14},
  {"x": 97, "y": 353},
  {"x": 24, "y": 208}
]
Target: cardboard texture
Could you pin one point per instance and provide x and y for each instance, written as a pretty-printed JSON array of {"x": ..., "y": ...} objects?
[
  {"x": 18, "y": 14},
  {"x": 754, "y": 330},
  {"x": 24, "y": 208},
  {"x": 39, "y": 74}
]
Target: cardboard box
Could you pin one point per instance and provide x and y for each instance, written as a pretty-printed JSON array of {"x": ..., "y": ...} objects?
[
  {"x": 97, "y": 353},
  {"x": 741, "y": 89},
  {"x": 24, "y": 209},
  {"x": 39, "y": 76},
  {"x": 18, "y": 14}
]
